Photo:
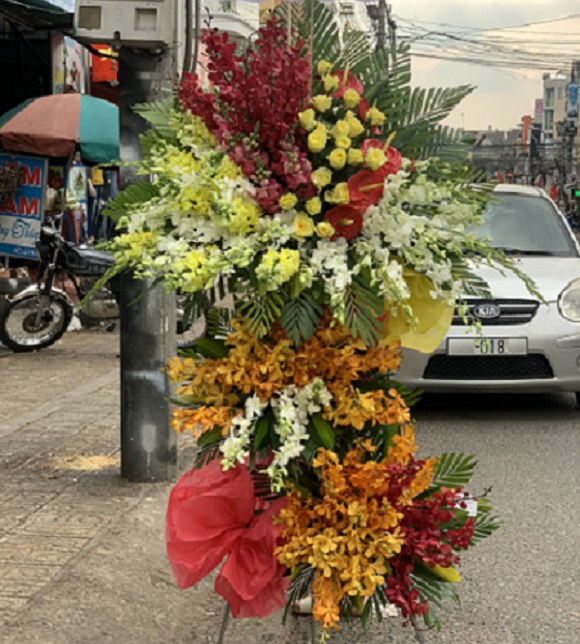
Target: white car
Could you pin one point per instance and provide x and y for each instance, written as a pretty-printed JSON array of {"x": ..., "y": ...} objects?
[{"x": 526, "y": 346}]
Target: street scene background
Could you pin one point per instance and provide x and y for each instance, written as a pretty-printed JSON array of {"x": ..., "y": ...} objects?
[{"x": 82, "y": 552}]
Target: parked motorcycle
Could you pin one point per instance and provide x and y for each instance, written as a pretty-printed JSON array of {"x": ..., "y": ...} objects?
[{"x": 39, "y": 315}]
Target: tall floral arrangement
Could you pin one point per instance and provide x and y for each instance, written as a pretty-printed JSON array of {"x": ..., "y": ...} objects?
[{"x": 280, "y": 179}]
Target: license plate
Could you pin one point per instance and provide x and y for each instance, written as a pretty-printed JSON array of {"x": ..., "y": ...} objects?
[{"x": 487, "y": 346}]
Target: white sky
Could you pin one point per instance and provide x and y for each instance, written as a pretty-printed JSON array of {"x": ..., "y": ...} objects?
[{"x": 502, "y": 95}]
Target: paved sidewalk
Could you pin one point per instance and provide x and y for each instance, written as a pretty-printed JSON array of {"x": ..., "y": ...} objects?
[{"x": 82, "y": 552}]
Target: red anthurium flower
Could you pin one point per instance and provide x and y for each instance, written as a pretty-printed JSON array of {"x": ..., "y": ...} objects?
[
  {"x": 346, "y": 221},
  {"x": 363, "y": 108},
  {"x": 346, "y": 80},
  {"x": 393, "y": 164},
  {"x": 365, "y": 188},
  {"x": 393, "y": 156},
  {"x": 367, "y": 144}
]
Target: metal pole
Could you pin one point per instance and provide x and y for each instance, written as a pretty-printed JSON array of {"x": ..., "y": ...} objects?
[{"x": 148, "y": 445}]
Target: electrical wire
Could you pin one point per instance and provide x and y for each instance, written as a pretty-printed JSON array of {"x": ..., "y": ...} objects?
[{"x": 500, "y": 48}]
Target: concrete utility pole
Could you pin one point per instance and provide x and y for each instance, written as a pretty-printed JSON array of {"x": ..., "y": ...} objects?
[
  {"x": 148, "y": 444},
  {"x": 385, "y": 21}
]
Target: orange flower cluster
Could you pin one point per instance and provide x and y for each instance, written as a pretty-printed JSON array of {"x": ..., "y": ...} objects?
[
  {"x": 348, "y": 535},
  {"x": 202, "y": 419},
  {"x": 265, "y": 367}
]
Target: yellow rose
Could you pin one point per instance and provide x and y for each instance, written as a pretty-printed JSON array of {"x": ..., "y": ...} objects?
[
  {"x": 288, "y": 201},
  {"x": 323, "y": 67},
  {"x": 342, "y": 142},
  {"x": 317, "y": 140},
  {"x": 324, "y": 229},
  {"x": 355, "y": 127},
  {"x": 321, "y": 177},
  {"x": 307, "y": 120},
  {"x": 351, "y": 98},
  {"x": 375, "y": 117},
  {"x": 337, "y": 159},
  {"x": 321, "y": 102},
  {"x": 375, "y": 158},
  {"x": 338, "y": 195},
  {"x": 354, "y": 157},
  {"x": 340, "y": 128},
  {"x": 314, "y": 206},
  {"x": 303, "y": 225},
  {"x": 330, "y": 84}
]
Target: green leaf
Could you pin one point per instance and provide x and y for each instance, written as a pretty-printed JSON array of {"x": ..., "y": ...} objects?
[
  {"x": 362, "y": 311},
  {"x": 210, "y": 438},
  {"x": 211, "y": 348},
  {"x": 259, "y": 311},
  {"x": 321, "y": 431},
  {"x": 453, "y": 470},
  {"x": 262, "y": 428},
  {"x": 485, "y": 522},
  {"x": 300, "y": 317},
  {"x": 133, "y": 195},
  {"x": 157, "y": 114}
]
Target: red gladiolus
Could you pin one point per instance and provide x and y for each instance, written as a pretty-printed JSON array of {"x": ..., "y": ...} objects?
[
  {"x": 346, "y": 221},
  {"x": 268, "y": 86},
  {"x": 211, "y": 515}
]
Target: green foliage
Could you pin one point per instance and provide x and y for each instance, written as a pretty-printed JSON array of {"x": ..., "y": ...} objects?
[
  {"x": 363, "y": 310},
  {"x": 132, "y": 195},
  {"x": 157, "y": 114},
  {"x": 211, "y": 348},
  {"x": 321, "y": 432},
  {"x": 453, "y": 470},
  {"x": 485, "y": 522},
  {"x": 300, "y": 317},
  {"x": 259, "y": 311},
  {"x": 434, "y": 590}
]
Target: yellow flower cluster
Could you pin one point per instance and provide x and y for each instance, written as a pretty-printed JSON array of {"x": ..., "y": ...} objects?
[
  {"x": 277, "y": 267},
  {"x": 138, "y": 245},
  {"x": 349, "y": 534}
]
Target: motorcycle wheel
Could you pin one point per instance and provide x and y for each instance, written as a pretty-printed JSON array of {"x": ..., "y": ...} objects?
[{"x": 19, "y": 330}]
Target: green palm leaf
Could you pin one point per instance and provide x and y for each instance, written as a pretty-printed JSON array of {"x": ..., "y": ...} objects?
[
  {"x": 453, "y": 470},
  {"x": 134, "y": 194},
  {"x": 485, "y": 522}
]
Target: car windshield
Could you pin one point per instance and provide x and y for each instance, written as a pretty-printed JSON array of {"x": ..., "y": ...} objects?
[{"x": 526, "y": 225}]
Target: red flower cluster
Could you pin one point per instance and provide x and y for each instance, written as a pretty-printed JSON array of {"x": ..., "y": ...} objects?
[
  {"x": 213, "y": 514},
  {"x": 252, "y": 106},
  {"x": 428, "y": 541}
]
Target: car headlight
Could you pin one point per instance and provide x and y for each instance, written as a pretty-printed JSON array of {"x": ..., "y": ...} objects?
[{"x": 569, "y": 301}]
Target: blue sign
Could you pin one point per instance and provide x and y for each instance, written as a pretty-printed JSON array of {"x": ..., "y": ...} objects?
[
  {"x": 572, "y": 101},
  {"x": 21, "y": 211}
]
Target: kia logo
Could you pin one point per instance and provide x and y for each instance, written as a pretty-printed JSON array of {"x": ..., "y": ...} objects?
[{"x": 486, "y": 311}]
